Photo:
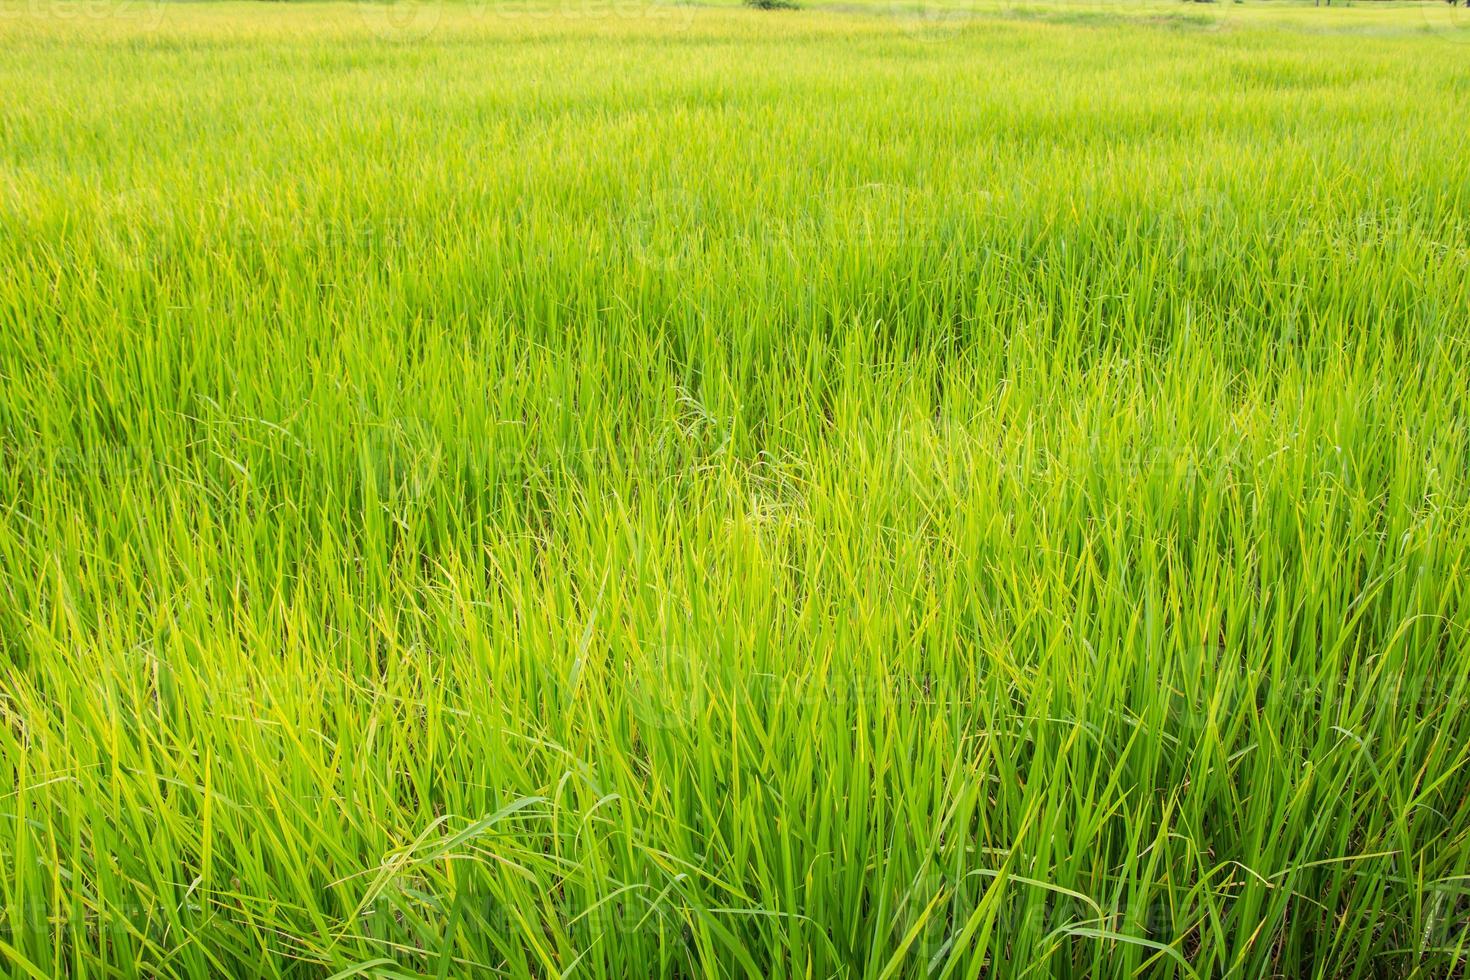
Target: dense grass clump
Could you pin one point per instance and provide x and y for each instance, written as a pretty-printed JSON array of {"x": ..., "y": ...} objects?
[{"x": 972, "y": 491}]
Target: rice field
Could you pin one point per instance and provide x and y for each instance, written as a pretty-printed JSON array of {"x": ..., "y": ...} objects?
[{"x": 614, "y": 488}]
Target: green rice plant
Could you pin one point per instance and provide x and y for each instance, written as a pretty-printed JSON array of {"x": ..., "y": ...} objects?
[{"x": 958, "y": 490}]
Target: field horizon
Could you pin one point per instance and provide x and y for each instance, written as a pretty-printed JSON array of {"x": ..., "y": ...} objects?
[{"x": 948, "y": 488}]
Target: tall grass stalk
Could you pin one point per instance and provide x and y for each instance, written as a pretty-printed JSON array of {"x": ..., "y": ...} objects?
[{"x": 675, "y": 491}]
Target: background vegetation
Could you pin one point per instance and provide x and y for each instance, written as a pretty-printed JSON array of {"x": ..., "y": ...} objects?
[{"x": 595, "y": 489}]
